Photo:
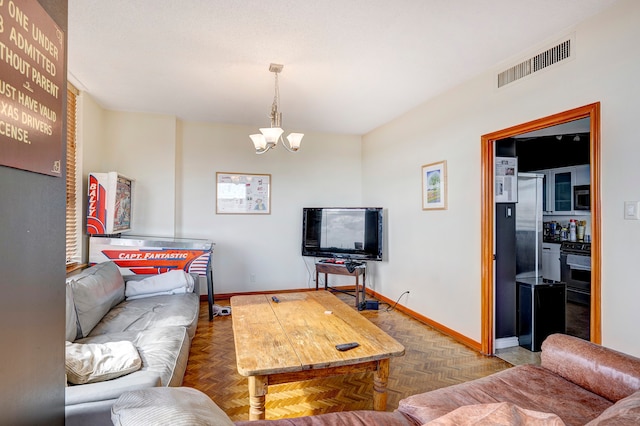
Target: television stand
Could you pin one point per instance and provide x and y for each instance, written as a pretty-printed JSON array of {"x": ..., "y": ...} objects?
[{"x": 327, "y": 268}]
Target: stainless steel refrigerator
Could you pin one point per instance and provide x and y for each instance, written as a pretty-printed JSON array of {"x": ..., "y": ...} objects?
[
  {"x": 541, "y": 304},
  {"x": 529, "y": 226}
]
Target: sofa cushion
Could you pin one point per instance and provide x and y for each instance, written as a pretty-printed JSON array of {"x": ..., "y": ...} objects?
[
  {"x": 95, "y": 291},
  {"x": 71, "y": 324},
  {"x": 501, "y": 413},
  {"x": 528, "y": 386},
  {"x": 151, "y": 312},
  {"x": 164, "y": 351},
  {"x": 89, "y": 363},
  {"x": 168, "y": 406},
  {"x": 625, "y": 412}
]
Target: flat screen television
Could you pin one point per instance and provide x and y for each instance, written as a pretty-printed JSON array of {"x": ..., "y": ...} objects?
[{"x": 342, "y": 232}]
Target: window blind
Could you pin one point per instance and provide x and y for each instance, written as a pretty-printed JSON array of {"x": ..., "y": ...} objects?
[{"x": 72, "y": 233}]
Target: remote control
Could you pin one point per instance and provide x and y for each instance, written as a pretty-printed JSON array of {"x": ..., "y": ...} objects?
[
  {"x": 347, "y": 346},
  {"x": 275, "y": 299}
]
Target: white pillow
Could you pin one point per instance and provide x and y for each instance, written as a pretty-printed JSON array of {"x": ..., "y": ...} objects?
[
  {"x": 96, "y": 362},
  {"x": 172, "y": 282}
]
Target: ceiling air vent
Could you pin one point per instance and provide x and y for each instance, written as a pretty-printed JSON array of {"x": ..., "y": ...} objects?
[{"x": 536, "y": 63}]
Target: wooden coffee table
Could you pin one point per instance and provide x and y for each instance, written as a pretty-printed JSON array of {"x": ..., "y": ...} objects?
[{"x": 295, "y": 340}]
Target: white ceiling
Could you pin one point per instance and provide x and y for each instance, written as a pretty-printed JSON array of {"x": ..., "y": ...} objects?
[{"x": 349, "y": 65}]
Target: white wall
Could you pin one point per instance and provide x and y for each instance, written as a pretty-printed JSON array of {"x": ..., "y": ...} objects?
[
  {"x": 92, "y": 147},
  {"x": 436, "y": 254},
  {"x": 143, "y": 147}
]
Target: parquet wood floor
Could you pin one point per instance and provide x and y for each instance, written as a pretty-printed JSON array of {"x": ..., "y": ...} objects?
[{"x": 432, "y": 360}]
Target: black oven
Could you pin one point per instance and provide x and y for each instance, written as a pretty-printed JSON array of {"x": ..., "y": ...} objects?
[
  {"x": 575, "y": 271},
  {"x": 581, "y": 197}
]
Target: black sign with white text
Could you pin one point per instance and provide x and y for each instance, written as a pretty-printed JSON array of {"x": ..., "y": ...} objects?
[{"x": 31, "y": 88}]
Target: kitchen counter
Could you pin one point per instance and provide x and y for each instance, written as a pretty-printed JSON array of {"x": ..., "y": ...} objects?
[
  {"x": 552, "y": 240},
  {"x": 537, "y": 281}
]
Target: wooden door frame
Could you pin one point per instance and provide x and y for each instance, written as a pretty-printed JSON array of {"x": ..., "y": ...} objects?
[{"x": 488, "y": 220}]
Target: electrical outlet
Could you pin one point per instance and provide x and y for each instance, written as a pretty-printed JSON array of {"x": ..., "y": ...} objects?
[
  {"x": 252, "y": 278},
  {"x": 631, "y": 210}
]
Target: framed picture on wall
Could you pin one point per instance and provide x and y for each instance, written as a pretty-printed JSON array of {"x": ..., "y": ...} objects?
[
  {"x": 434, "y": 186},
  {"x": 243, "y": 193}
]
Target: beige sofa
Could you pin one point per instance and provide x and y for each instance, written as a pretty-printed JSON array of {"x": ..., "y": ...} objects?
[
  {"x": 577, "y": 383},
  {"x": 104, "y": 307}
]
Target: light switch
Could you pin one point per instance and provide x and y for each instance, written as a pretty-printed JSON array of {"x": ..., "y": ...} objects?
[{"x": 631, "y": 210}]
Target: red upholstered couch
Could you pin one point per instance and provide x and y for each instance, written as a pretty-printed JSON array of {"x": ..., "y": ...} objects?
[{"x": 577, "y": 383}]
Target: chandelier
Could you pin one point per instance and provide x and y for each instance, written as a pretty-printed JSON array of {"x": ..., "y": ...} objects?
[{"x": 270, "y": 136}]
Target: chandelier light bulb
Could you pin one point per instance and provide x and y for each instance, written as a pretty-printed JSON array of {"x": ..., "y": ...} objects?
[{"x": 294, "y": 140}]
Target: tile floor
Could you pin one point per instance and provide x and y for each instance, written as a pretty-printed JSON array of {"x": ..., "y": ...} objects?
[{"x": 518, "y": 355}]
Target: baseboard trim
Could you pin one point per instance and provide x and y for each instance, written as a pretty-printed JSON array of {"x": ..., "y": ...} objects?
[{"x": 440, "y": 327}]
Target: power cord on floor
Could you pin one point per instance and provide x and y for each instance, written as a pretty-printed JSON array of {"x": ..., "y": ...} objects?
[
  {"x": 219, "y": 310},
  {"x": 391, "y": 308}
]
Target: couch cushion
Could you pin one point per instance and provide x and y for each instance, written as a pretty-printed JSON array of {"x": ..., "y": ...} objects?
[
  {"x": 152, "y": 312},
  {"x": 501, "y": 413},
  {"x": 625, "y": 412},
  {"x": 528, "y": 386},
  {"x": 89, "y": 363},
  {"x": 95, "y": 291},
  {"x": 168, "y": 406},
  {"x": 71, "y": 324},
  {"x": 164, "y": 351}
]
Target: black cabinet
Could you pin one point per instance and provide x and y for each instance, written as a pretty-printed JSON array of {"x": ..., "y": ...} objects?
[
  {"x": 505, "y": 271},
  {"x": 541, "y": 311}
]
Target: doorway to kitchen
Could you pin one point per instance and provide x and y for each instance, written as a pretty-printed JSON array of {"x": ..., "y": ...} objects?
[{"x": 490, "y": 145}]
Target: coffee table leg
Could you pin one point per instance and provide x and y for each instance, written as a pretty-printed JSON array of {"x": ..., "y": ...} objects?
[
  {"x": 257, "y": 392},
  {"x": 380, "y": 377}
]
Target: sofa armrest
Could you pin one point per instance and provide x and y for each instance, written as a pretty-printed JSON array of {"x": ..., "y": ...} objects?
[
  {"x": 110, "y": 389},
  {"x": 91, "y": 403},
  {"x": 96, "y": 413},
  {"x": 606, "y": 372}
]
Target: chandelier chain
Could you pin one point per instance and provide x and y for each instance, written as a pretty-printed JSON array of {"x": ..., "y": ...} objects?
[{"x": 275, "y": 122}]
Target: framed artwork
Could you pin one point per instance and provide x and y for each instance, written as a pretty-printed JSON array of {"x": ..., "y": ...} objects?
[
  {"x": 243, "y": 193},
  {"x": 434, "y": 186}
]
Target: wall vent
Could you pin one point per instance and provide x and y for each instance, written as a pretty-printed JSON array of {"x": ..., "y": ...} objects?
[{"x": 536, "y": 63}]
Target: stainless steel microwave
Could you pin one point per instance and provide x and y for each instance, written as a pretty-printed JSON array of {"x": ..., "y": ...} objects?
[{"x": 581, "y": 197}]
